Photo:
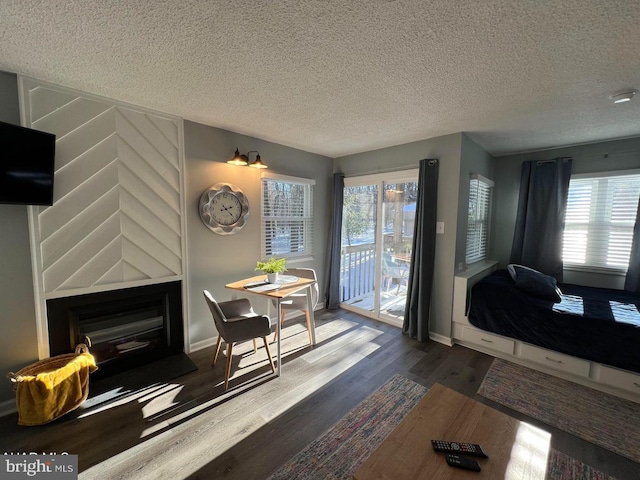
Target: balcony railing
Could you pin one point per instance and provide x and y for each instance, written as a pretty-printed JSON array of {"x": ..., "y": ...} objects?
[
  {"x": 358, "y": 270},
  {"x": 357, "y": 281}
]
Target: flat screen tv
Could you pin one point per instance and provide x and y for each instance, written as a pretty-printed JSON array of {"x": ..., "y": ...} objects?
[{"x": 26, "y": 165}]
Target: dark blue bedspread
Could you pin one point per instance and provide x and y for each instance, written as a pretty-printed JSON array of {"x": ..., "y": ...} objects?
[{"x": 602, "y": 325}]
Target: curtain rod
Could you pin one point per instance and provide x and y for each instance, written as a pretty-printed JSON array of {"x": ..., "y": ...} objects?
[
  {"x": 431, "y": 161},
  {"x": 383, "y": 170},
  {"x": 554, "y": 160}
]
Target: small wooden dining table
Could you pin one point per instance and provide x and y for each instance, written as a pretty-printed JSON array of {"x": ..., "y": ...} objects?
[{"x": 278, "y": 294}]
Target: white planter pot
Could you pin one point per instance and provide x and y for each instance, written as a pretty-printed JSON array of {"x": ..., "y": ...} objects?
[{"x": 273, "y": 277}]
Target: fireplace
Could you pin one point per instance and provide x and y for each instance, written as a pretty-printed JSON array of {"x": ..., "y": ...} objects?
[{"x": 126, "y": 327}]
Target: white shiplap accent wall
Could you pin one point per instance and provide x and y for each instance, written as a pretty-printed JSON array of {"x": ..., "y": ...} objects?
[{"x": 117, "y": 218}]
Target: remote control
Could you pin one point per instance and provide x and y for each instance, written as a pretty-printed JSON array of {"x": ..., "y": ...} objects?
[
  {"x": 459, "y": 447},
  {"x": 462, "y": 462}
]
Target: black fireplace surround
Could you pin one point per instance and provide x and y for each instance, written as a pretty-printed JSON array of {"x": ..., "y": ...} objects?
[{"x": 127, "y": 327}]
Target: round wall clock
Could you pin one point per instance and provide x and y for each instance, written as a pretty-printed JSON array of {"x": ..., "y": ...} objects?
[{"x": 224, "y": 209}]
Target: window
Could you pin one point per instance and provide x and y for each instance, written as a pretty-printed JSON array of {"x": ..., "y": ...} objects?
[
  {"x": 601, "y": 213},
  {"x": 478, "y": 218},
  {"x": 287, "y": 216}
]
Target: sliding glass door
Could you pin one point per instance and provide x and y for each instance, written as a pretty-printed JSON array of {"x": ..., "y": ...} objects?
[{"x": 377, "y": 233}]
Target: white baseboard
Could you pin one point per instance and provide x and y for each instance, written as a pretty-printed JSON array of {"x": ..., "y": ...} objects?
[
  {"x": 8, "y": 407},
  {"x": 209, "y": 342},
  {"x": 436, "y": 337}
]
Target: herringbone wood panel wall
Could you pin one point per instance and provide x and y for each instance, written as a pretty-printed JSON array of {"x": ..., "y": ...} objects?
[{"x": 116, "y": 216}]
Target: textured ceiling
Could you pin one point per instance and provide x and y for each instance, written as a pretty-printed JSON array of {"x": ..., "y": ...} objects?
[{"x": 337, "y": 77}]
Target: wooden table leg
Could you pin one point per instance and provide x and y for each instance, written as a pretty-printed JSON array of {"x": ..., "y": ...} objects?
[{"x": 311, "y": 315}]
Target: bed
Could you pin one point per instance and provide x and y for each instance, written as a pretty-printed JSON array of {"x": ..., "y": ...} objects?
[
  {"x": 601, "y": 325},
  {"x": 590, "y": 336}
]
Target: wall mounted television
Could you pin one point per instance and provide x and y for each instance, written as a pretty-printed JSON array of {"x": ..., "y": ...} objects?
[{"x": 26, "y": 165}]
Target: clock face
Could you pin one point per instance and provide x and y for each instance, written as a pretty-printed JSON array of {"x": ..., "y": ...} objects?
[{"x": 224, "y": 209}]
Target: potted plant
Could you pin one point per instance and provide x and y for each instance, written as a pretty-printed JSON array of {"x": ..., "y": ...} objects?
[{"x": 272, "y": 267}]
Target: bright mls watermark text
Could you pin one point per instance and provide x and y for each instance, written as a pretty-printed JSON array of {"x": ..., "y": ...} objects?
[{"x": 32, "y": 465}]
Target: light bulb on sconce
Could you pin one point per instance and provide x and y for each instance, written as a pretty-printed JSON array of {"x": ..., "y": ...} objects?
[
  {"x": 238, "y": 159},
  {"x": 258, "y": 163}
]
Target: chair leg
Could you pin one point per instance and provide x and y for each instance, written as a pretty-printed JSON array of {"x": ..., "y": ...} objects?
[
  {"x": 266, "y": 346},
  {"x": 227, "y": 370},
  {"x": 255, "y": 346},
  {"x": 306, "y": 312},
  {"x": 215, "y": 355}
]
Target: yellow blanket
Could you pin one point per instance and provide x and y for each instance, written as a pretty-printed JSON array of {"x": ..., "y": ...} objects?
[{"x": 49, "y": 395}]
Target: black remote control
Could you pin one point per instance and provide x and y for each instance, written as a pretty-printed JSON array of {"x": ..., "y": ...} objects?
[
  {"x": 462, "y": 462},
  {"x": 459, "y": 447}
]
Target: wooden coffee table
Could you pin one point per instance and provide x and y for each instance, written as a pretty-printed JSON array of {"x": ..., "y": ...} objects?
[{"x": 516, "y": 449}]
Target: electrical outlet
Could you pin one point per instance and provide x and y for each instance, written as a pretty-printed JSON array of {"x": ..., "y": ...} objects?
[{"x": 440, "y": 227}]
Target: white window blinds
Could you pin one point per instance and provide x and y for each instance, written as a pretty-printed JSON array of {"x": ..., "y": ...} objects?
[
  {"x": 601, "y": 213},
  {"x": 287, "y": 216},
  {"x": 478, "y": 218}
]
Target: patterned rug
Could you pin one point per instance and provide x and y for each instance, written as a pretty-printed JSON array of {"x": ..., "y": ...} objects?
[
  {"x": 338, "y": 452},
  {"x": 594, "y": 416}
]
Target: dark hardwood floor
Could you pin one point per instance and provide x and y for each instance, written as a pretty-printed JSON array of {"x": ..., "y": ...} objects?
[{"x": 190, "y": 428}]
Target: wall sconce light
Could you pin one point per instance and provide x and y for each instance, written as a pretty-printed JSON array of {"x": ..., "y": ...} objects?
[{"x": 243, "y": 160}]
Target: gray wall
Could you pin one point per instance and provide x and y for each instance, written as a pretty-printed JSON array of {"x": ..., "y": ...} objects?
[
  {"x": 590, "y": 158},
  {"x": 18, "y": 342},
  {"x": 447, "y": 149},
  {"x": 215, "y": 260},
  {"x": 473, "y": 159}
]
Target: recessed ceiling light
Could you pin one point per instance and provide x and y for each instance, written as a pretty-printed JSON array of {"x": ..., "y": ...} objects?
[{"x": 623, "y": 97}]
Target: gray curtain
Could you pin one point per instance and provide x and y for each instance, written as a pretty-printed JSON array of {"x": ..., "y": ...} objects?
[
  {"x": 419, "y": 288},
  {"x": 332, "y": 287},
  {"x": 632, "y": 282},
  {"x": 542, "y": 205}
]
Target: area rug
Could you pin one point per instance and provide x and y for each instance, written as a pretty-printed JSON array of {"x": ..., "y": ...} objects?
[
  {"x": 602, "y": 419},
  {"x": 339, "y": 451},
  {"x": 564, "y": 467}
]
